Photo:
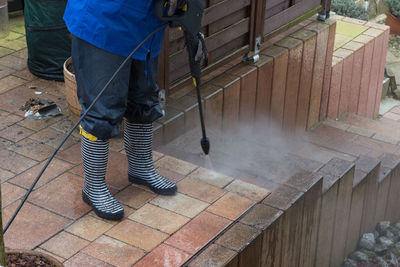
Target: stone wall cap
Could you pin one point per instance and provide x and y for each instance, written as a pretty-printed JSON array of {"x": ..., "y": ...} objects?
[
  {"x": 289, "y": 42},
  {"x": 225, "y": 80},
  {"x": 274, "y": 51},
  {"x": 261, "y": 216},
  {"x": 303, "y": 34},
  {"x": 343, "y": 53},
  {"x": 241, "y": 70}
]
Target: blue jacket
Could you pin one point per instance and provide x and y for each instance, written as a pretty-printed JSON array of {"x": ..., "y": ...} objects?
[{"x": 117, "y": 26}]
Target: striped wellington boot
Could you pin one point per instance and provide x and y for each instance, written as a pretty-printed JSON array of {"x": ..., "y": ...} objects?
[
  {"x": 138, "y": 147},
  {"x": 95, "y": 191}
]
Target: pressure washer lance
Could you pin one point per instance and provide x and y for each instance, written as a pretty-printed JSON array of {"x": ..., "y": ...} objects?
[{"x": 188, "y": 18}]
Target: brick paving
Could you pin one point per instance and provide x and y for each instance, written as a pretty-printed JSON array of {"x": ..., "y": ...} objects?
[{"x": 158, "y": 230}]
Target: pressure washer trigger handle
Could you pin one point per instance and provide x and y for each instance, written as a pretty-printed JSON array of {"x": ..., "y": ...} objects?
[
  {"x": 159, "y": 10},
  {"x": 202, "y": 52}
]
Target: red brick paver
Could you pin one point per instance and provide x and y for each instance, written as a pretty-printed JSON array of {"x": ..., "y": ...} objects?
[{"x": 198, "y": 232}]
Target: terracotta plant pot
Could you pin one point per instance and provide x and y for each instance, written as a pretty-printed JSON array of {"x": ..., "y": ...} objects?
[
  {"x": 49, "y": 258},
  {"x": 70, "y": 89},
  {"x": 394, "y": 23}
]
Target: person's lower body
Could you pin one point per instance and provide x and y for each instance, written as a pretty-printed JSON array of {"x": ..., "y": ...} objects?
[{"x": 133, "y": 95}]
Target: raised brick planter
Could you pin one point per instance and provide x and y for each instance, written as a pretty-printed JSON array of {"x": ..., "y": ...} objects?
[
  {"x": 357, "y": 68},
  {"x": 306, "y": 75},
  {"x": 285, "y": 87}
]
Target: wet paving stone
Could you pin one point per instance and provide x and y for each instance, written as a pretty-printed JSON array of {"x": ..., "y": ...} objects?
[
  {"x": 137, "y": 235},
  {"x": 13, "y": 62},
  {"x": 214, "y": 255},
  {"x": 32, "y": 226},
  {"x": 22, "y": 53},
  {"x": 63, "y": 195},
  {"x": 389, "y": 160},
  {"x": 171, "y": 175},
  {"x": 4, "y": 71},
  {"x": 8, "y": 119},
  {"x": 164, "y": 255},
  {"x": 230, "y": 206},
  {"x": 71, "y": 154},
  {"x": 33, "y": 149},
  {"x": 198, "y": 232},
  {"x": 53, "y": 138},
  {"x": 303, "y": 180},
  {"x": 283, "y": 197},
  {"x": 10, "y": 193},
  {"x": 15, "y": 133},
  {"x": 5, "y": 175},
  {"x": 55, "y": 168},
  {"x": 25, "y": 74},
  {"x": 14, "y": 162},
  {"x": 238, "y": 237},
  {"x": 197, "y": 189},
  {"x": 40, "y": 250},
  {"x": 134, "y": 197},
  {"x": 248, "y": 190},
  {"x": 261, "y": 216},
  {"x": 82, "y": 259},
  {"x": 5, "y": 51},
  {"x": 89, "y": 227},
  {"x": 175, "y": 165},
  {"x": 211, "y": 177},
  {"x": 181, "y": 204},
  {"x": 158, "y": 218},
  {"x": 117, "y": 170},
  {"x": 65, "y": 245},
  {"x": 37, "y": 125},
  {"x": 10, "y": 82},
  {"x": 114, "y": 252}
]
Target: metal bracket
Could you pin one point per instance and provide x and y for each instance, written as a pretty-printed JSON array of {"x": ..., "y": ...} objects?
[
  {"x": 324, "y": 14},
  {"x": 321, "y": 16},
  {"x": 255, "y": 57}
]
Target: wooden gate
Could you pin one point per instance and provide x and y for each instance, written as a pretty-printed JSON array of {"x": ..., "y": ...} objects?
[{"x": 230, "y": 28}]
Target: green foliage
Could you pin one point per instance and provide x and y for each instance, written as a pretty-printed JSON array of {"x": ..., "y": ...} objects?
[
  {"x": 394, "y": 7},
  {"x": 350, "y": 9}
]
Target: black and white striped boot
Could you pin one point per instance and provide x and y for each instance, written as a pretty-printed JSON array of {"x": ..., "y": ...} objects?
[
  {"x": 95, "y": 191},
  {"x": 138, "y": 147}
]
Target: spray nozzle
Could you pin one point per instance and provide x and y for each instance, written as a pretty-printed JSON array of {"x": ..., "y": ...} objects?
[{"x": 205, "y": 145}]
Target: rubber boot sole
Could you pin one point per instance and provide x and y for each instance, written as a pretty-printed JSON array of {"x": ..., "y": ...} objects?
[
  {"x": 108, "y": 216},
  {"x": 165, "y": 192}
]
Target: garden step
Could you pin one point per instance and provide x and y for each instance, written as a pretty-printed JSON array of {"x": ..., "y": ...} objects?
[
  {"x": 385, "y": 129},
  {"x": 363, "y": 201},
  {"x": 338, "y": 177}
]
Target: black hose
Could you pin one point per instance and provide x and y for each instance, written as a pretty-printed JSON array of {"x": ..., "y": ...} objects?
[{"x": 77, "y": 123}]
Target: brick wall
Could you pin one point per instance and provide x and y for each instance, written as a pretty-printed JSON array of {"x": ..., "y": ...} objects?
[
  {"x": 357, "y": 69},
  {"x": 286, "y": 87}
]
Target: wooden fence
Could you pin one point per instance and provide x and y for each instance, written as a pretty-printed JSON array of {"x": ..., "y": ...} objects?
[{"x": 231, "y": 28}]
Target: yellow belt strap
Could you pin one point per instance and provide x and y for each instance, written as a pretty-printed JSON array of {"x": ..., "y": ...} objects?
[{"x": 87, "y": 135}]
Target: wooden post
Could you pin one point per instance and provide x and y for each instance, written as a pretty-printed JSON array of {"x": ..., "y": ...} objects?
[{"x": 3, "y": 261}]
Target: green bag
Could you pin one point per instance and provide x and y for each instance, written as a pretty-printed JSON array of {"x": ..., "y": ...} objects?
[{"x": 47, "y": 37}]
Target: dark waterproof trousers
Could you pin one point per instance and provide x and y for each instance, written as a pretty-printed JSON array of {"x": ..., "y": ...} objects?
[{"x": 133, "y": 94}]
